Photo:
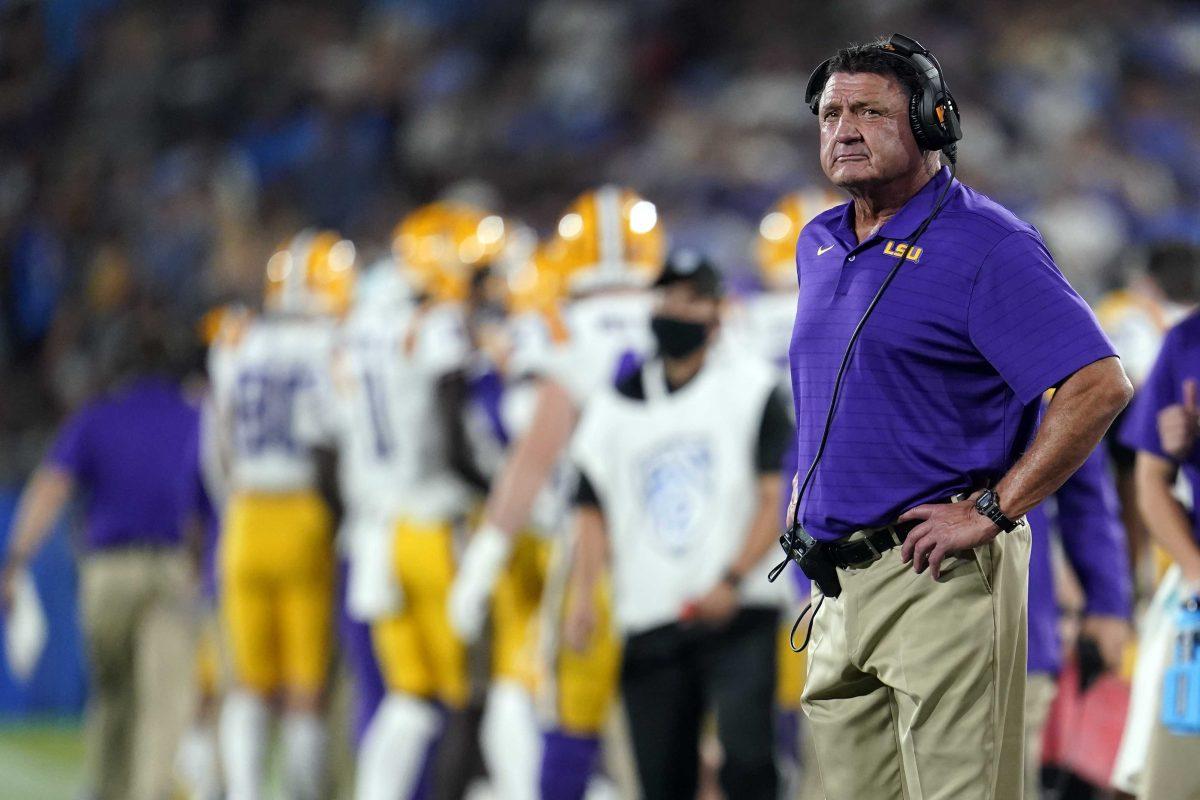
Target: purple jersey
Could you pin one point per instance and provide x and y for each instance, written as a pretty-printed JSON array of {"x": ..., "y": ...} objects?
[
  {"x": 127, "y": 452},
  {"x": 1178, "y": 361},
  {"x": 942, "y": 393},
  {"x": 1085, "y": 513}
]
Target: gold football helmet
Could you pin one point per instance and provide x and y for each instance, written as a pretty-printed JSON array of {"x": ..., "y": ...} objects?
[
  {"x": 780, "y": 228},
  {"x": 609, "y": 237},
  {"x": 439, "y": 246},
  {"x": 312, "y": 274}
]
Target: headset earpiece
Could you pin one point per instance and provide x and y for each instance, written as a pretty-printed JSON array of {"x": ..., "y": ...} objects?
[
  {"x": 816, "y": 84},
  {"x": 932, "y": 112}
]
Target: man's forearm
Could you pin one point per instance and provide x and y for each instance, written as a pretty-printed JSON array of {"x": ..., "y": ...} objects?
[
  {"x": 1080, "y": 414},
  {"x": 763, "y": 532},
  {"x": 591, "y": 550},
  {"x": 533, "y": 458},
  {"x": 41, "y": 502},
  {"x": 1166, "y": 520}
]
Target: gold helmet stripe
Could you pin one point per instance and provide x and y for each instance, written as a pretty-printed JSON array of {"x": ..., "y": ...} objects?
[{"x": 295, "y": 279}]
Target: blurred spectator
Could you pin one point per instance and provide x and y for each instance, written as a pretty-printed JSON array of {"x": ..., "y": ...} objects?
[{"x": 193, "y": 140}]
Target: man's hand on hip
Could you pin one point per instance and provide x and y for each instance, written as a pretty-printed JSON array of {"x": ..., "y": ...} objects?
[{"x": 946, "y": 528}]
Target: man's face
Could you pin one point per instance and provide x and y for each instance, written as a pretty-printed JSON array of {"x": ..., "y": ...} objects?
[
  {"x": 681, "y": 301},
  {"x": 865, "y": 135}
]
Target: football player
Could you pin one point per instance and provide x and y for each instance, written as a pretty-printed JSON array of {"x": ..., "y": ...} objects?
[
  {"x": 515, "y": 320},
  {"x": 272, "y": 400},
  {"x": 366, "y": 476},
  {"x": 608, "y": 246},
  {"x": 410, "y": 382}
]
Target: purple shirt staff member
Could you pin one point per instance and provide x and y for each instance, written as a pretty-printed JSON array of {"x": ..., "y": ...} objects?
[
  {"x": 916, "y": 682},
  {"x": 1086, "y": 517},
  {"x": 1163, "y": 425},
  {"x": 126, "y": 454}
]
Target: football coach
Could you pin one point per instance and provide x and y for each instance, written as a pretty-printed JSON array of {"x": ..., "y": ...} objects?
[{"x": 931, "y": 321}]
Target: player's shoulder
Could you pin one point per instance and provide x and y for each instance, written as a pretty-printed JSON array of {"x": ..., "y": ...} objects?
[
  {"x": 608, "y": 310},
  {"x": 235, "y": 324},
  {"x": 291, "y": 338}
]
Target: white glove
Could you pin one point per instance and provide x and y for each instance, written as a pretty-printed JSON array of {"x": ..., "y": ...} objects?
[
  {"x": 372, "y": 589},
  {"x": 485, "y": 557}
]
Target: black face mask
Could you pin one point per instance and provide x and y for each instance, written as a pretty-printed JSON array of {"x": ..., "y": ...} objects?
[{"x": 678, "y": 338}]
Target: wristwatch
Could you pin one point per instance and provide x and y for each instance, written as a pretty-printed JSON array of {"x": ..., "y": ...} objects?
[
  {"x": 731, "y": 577},
  {"x": 988, "y": 505}
]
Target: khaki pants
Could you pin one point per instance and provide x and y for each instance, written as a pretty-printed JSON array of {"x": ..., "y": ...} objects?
[
  {"x": 916, "y": 688},
  {"x": 1040, "y": 690},
  {"x": 139, "y": 625}
]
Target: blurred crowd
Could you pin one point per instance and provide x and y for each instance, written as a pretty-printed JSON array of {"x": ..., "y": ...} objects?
[{"x": 163, "y": 149}]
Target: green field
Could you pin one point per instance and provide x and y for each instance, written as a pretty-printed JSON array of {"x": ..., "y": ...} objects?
[{"x": 41, "y": 760}]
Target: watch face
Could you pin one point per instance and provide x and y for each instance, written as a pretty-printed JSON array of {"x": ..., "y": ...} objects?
[{"x": 983, "y": 502}]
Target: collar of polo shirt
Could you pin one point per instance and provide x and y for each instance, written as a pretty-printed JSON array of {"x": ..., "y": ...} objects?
[{"x": 904, "y": 223}]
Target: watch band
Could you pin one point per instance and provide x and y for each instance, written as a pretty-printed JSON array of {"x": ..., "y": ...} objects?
[{"x": 988, "y": 505}]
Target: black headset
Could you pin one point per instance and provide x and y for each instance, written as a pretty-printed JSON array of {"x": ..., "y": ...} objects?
[{"x": 932, "y": 112}]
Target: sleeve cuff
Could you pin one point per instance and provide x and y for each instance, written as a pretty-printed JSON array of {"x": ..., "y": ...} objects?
[{"x": 1064, "y": 371}]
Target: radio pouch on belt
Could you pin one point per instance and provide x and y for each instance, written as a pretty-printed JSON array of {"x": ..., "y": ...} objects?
[
  {"x": 813, "y": 558},
  {"x": 1181, "y": 693}
]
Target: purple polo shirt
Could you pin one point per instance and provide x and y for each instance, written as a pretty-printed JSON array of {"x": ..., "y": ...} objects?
[
  {"x": 128, "y": 453},
  {"x": 1178, "y": 361},
  {"x": 1085, "y": 514},
  {"x": 942, "y": 394}
]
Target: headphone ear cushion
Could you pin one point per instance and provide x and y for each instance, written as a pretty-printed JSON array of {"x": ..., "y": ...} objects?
[{"x": 916, "y": 120}]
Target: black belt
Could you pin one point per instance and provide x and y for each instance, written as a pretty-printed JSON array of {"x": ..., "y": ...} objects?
[{"x": 868, "y": 548}]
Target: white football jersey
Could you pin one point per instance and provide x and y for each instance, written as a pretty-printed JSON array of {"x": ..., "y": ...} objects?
[
  {"x": 762, "y": 325},
  {"x": 678, "y": 483},
  {"x": 390, "y": 361},
  {"x": 605, "y": 334},
  {"x": 271, "y": 388}
]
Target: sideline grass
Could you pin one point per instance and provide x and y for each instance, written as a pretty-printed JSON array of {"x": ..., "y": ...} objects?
[{"x": 41, "y": 759}]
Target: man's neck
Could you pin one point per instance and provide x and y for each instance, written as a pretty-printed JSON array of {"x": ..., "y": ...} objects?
[
  {"x": 678, "y": 371},
  {"x": 874, "y": 205}
]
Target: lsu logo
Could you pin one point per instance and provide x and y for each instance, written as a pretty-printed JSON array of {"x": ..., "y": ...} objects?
[{"x": 901, "y": 250}]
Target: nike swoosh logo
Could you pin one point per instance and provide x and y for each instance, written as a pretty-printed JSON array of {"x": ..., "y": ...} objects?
[{"x": 823, "y": 250}]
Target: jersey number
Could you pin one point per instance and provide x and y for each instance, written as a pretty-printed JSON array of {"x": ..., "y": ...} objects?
[
  {"x": 264, "y": 410},
  {"x": 381, "y": 427}
]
